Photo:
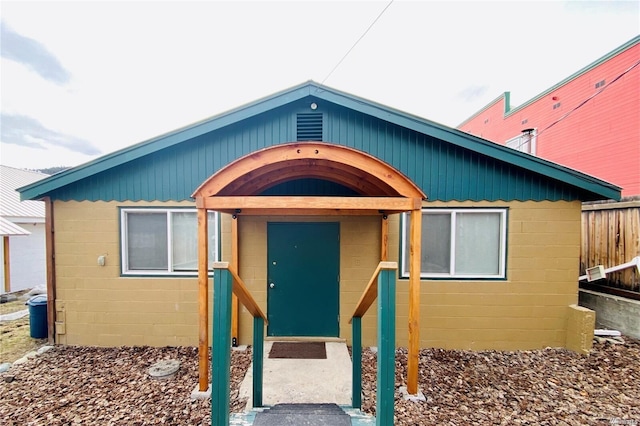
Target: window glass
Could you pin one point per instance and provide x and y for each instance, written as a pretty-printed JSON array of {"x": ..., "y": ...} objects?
[
  {"x": 163, "y": 241},
  {"x": 436, "y": 243},
  {"x": 524, "y": 142},
  {"x": 184, "y": 229},
  {"x": 147, "y": 241},
  {"x": 465, "y": 243},
  {"x": 212, "y": 217},
  {"x": 478, "y": 243}
]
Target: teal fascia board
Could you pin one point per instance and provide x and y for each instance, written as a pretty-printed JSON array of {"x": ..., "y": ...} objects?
[
  {"x": 476, "y": 144},
  {"x": 316, "y": 92},
  {"x": 117, "y": 158}
]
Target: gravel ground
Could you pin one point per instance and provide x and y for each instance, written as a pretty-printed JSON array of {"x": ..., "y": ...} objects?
[{"x": 110, "y": 386}]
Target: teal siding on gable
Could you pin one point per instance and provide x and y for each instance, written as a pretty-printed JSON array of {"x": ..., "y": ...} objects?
[
  {"x": 174, "y": 173},
  {"x": 315, "y": 187},
  {"x": 443, "y": 170}
]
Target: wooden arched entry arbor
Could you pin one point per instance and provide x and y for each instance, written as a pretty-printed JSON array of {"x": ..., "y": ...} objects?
[{"x": 381, "y": 189}]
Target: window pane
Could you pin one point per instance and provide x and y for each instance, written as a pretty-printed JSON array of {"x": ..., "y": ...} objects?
[
  {"x": 436, "y": 243},
  {"x": 213, "y": 241},
  {"x": 184, "y": 231},
  {"x": 184, "y": 228},
  {"x": 478, "y": 243},
  {"x": 147, "y": 241}
]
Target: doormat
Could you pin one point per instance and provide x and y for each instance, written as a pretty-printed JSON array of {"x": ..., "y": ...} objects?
[{"x": 298, "y": 350}]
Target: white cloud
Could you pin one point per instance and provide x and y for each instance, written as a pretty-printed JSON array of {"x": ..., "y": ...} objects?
[
  {"x": 32, "y": 55},
  {"x": 140, "y": 69}
]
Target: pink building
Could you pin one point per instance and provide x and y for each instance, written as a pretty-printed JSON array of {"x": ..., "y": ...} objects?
[{"x": 589, "y": 121}]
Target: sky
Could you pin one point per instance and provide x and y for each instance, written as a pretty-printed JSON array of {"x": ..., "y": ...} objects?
[{"x": 79, "y": 80}]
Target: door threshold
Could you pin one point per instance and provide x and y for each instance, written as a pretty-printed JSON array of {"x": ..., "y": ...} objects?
[{"x": 304, "y": 339}]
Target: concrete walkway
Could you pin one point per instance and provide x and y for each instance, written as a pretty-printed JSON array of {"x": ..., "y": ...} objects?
[{"x": 303, "y": 380}]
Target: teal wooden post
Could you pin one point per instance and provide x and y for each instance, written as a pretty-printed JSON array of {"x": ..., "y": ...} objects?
[
  {"x": 221, "y": 353},
  {"x": 258, "y": 360},
  {"x": 356, "y": 372},
  {"x": 386, "y": 346}
]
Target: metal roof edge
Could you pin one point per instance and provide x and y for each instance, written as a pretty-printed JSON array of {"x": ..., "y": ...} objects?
[
  {"x": 476, "y": 144},
  {"x": 10, "y": 229},
  {"x": 310, "y": 88},
  {"x": 534, "y": 164},
  {"x": 25, "y": 219},
  {"x": 124, "y": 155}
]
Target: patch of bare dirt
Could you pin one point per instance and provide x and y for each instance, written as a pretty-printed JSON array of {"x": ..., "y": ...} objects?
[
  {"x": 543, "y": 387},
  {"x": 15, "y": 339},
  {"x": 14, "y": 305}
]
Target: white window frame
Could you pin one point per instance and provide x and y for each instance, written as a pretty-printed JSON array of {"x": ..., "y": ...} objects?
[
  {"x": 520, "y": 142},
  {"x": 502, "y": 258},
  {"x": 124, "y": 254}
]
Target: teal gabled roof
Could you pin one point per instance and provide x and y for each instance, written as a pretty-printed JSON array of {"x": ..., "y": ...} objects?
[{"x": 588, "y": 187}]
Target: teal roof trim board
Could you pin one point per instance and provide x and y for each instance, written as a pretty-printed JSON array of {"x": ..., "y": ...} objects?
[
  {"x": 200, "y": 133},
  {"x": 161, "y": 142}
]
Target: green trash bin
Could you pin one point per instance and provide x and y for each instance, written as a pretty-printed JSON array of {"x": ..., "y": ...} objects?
[{"x": 38, "y": 316}]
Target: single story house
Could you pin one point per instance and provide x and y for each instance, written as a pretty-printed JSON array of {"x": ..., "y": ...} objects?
[{"x": 317, "y": 186}]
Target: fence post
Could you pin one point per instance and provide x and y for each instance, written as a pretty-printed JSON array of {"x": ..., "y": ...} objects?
[
  {"x": 386, "y": 346},
  {"x": 221, "y": 353},
  {"x": 356, "y": 355},
  {"x": 258, "y": 360}
]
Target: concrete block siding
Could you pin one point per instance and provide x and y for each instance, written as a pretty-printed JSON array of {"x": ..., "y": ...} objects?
[{"x": 529, "y": 309}]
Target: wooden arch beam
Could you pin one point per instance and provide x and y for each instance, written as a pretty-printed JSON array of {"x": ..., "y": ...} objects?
[
  {"x": 260, "y": 180},
  {"x": 380, "y": 185},
  {"x": 250, "y": 171}
]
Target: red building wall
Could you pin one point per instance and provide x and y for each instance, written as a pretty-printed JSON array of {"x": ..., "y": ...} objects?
[{"x": 595, "y": 130}]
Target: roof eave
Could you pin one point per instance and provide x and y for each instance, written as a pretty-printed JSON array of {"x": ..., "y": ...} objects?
[
  {"x": 40, "y": 189},
  {"x": 585, "y": 182},
  {"x": 589, "y": 184}
]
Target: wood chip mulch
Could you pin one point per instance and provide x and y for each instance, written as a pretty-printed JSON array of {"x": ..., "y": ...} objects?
[
  {"x": 111, "y": 386},
  {"x": 542, "y": 387}
]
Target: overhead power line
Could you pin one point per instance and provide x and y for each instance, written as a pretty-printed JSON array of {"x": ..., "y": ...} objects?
[
  {"x": 357, "y": 41},
  {"x": 581, "y": 104},
  {"x": 589, "y": 98}
]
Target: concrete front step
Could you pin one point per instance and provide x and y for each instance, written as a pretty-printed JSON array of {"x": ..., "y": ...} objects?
[
  {"x": 303, "y": 414},
  {"x": 306, "y": 408}
]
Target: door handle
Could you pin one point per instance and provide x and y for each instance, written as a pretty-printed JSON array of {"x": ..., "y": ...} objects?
[{"x": 272, "y": 285}]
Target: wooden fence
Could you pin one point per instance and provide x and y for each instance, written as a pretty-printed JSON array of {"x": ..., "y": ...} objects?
[{"x": 610, "y": 237}]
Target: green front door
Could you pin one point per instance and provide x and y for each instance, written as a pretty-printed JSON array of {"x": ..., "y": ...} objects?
[{"x": 303, "y": 279}]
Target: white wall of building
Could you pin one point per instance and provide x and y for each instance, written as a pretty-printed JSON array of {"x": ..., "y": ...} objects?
[{"x": 27, "y": 258}]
